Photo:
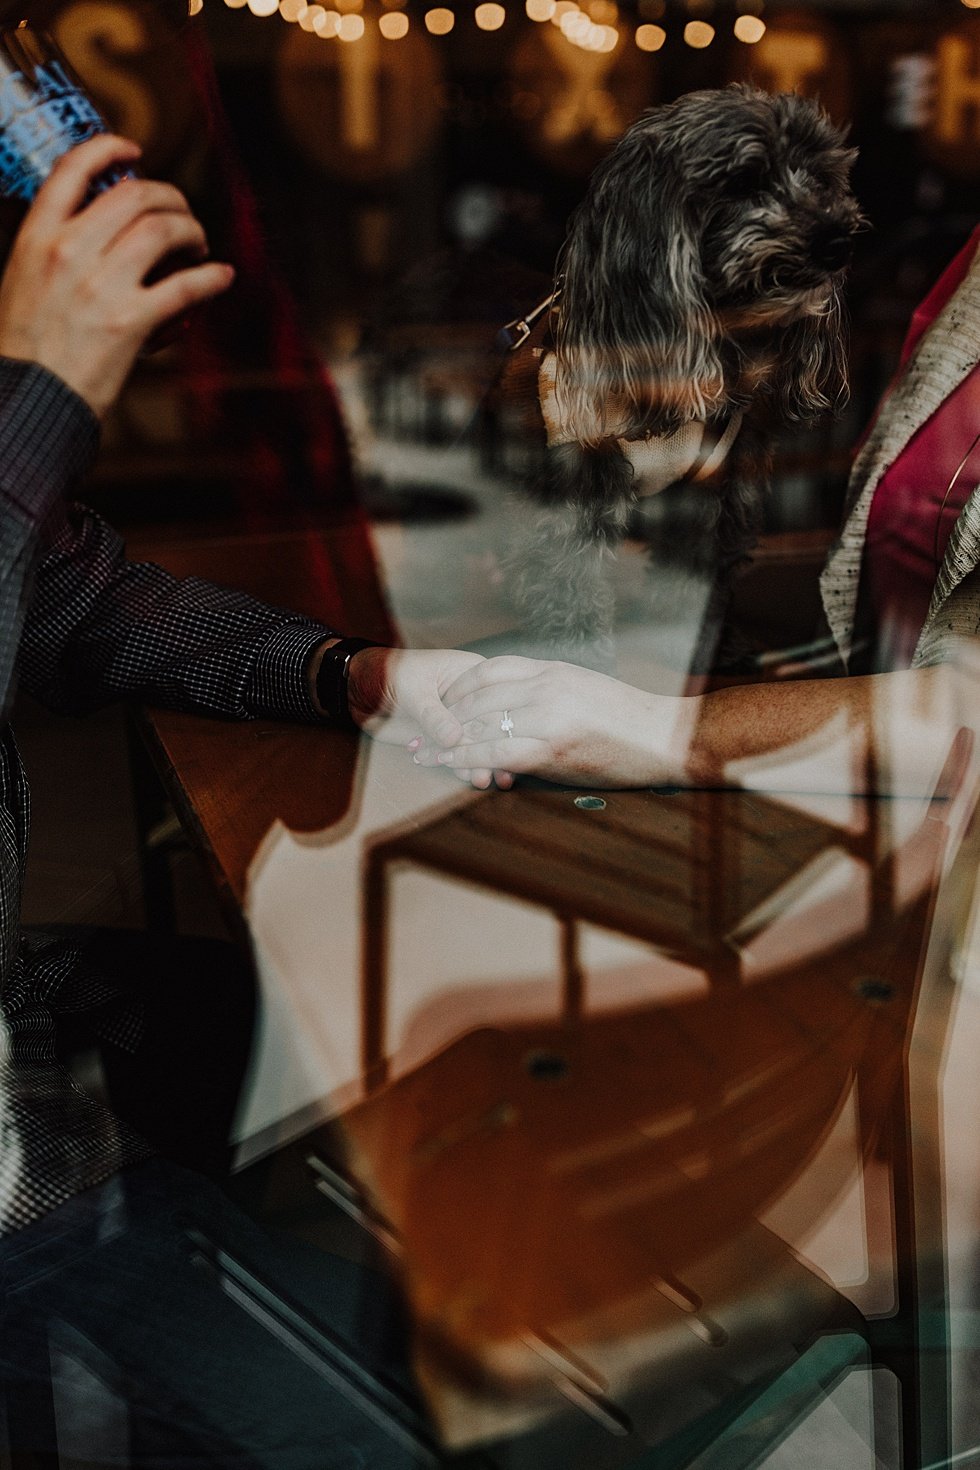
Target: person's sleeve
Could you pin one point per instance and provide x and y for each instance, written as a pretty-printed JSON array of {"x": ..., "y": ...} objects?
[
  {"x": 48, "y": 438},
  {"x": 101, "y": 628}
]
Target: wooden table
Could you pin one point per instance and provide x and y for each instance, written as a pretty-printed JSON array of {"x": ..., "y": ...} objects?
[
  {"x": 230, "y": 781},
  {"x": 659, "y": 856}
]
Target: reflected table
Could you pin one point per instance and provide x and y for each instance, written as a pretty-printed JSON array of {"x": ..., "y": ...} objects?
[{"x": 686, "y": 873}]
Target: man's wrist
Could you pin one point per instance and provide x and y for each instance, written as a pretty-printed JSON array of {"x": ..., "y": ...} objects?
[{"x": 337, "y": 684}]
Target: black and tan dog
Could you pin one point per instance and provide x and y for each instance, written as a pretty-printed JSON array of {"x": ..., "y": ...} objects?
[{"x": 697, "y": 307}]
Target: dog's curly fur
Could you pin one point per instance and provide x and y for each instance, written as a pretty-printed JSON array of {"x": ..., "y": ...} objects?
[{"x": 701, "y": 277}]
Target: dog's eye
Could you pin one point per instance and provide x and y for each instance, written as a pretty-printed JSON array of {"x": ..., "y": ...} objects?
[{"x": 746, "y": 180}]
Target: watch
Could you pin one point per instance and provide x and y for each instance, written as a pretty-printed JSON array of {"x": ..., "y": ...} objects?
[{"x": 332, "y": 677}]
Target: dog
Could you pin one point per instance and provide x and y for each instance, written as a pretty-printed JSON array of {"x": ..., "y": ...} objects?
[{"x": 697, "y": 307}]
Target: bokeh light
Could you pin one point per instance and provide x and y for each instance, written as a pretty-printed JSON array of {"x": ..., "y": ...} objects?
[
  {"x": 750, "y": 29},
  {"x": 439, "y": 21},
  {"x": 650, "y": 38},
  {"x": 698, "y": 33},
  {"x": 394, "y": 25},
  {"x": 490, "y": 17}
]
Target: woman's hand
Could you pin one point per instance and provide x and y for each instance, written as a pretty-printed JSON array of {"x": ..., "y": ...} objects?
[
  {"x": 569, "y": 724},
  {"x": 72, "y": 296}
]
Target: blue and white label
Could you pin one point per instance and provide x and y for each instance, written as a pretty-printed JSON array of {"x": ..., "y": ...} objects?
[{"x": 38, "y": 123}]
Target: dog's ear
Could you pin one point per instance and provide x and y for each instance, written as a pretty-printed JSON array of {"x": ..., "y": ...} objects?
[
  {"x": 812, "y": 377},
  {"x": 636, "y": 343}
]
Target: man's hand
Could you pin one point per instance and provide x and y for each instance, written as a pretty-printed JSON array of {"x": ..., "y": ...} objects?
[
  {"x": 72, "y": 296},
  {"x": 394, "y": 694}
]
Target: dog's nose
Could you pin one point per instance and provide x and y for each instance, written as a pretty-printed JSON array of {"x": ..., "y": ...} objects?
[{"x": 832, "y": 246}]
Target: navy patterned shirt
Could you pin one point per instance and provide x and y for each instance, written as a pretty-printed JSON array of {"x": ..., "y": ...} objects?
[{"x": 81, "y": 626}]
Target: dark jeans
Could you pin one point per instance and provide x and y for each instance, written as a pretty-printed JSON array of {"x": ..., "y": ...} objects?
[
  {"x": 181, "y": 1085},
  {"x": 148, "y": 1323}
]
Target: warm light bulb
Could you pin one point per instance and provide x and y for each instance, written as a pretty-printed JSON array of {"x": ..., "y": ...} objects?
[
  {"x": 236, "y": 4},
  {"x": 490, "y": 17},
  {"x": 972, "y": 4},
  {"x": 439, "y": 21},
  {"x": 575, "y": 25},
  {"x": 291, "y": 10},
  {"x": 608, "y": 39},
  {"x": 309, "y": 18},
  {"x": 351, "y": 27},
  {"x": 327, "y": 25},
  {"x": 750, "y": 29},
  {"x": 650, "y": 38},
  {"x": 394, "y": 25},
  {"x": 540, "y": 10},
  {"x": 263, "y": 7},
  {"x": 698, "y": 33},
  {"x": 194, "y": 7}
]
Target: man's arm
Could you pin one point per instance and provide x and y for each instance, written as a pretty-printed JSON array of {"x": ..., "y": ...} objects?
[
  {"x": 47, "y": 438},
  {"x": 101, "y": 628},
  {"x": 73, "y": 314}
]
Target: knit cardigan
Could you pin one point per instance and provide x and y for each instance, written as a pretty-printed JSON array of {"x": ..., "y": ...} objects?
[{"x": 946, "y": 355}]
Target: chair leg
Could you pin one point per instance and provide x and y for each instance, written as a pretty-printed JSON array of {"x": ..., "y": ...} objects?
[
  {"x": 572, "y": 978},
  {"x": 156, "y": 831},
  {"x": 918, "y": 1358}
]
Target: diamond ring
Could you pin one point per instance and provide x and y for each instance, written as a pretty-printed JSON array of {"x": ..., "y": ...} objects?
[{"x": 507, "y": 725}]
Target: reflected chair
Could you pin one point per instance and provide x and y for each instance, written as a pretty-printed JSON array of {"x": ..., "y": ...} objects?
[{"x": 578, "y": 1201}]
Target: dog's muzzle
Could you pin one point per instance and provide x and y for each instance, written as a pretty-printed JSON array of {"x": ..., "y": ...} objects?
[{"x": 832, "y": 246}]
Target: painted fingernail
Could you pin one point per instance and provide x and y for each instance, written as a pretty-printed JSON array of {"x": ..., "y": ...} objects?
[
  {"x": 414, "y": 744},
  {"x": 445, "y": 757}
]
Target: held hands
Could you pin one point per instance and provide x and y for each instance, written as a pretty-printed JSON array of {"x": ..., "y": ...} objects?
[
  {"x": 72, "y": 296},
  {"x": 393, "y": 693},
  {"x": 570, "y": 724}
]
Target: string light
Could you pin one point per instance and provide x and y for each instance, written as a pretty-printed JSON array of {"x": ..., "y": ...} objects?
[
  {"x": 327, "y": 25},
  {"x": 194, "y": 7},
  {"x": 394, "y": 25},
  {"x": 236, "y": 4},
  {"x": 263, "y": 7},
  {"x": 490, "y": 17},
  {"x": 351, "y": 27},
  {"x": 574, "y": 24},
  {"x": 971, "y": 4},
  {"x": 750, "y": 29},
  {"x": 309, "y": 18},
  {"x": 650, "y": 38},
  {"x": 540, "y": 10},
  {"x": 698, "y": 33},
  {"x": 291, "y": 10},
  {"x": 604, "y": 12},
  {"x": 439, "y": 22}
]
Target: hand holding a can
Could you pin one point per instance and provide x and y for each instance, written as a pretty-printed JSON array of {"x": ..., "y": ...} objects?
[{"x": 74, "y": 296}]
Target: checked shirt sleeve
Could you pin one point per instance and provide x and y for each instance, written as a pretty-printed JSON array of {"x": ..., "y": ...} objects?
[
  {"x": 101, "y": 628},
  {"x": 48, "y": 438}
]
